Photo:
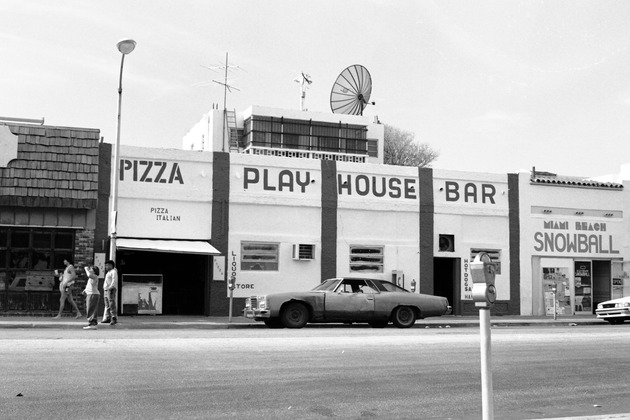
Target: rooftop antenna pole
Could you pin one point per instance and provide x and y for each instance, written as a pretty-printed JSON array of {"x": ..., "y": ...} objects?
[
  {"x": 304, "y": 80},
  {"x": 225, "y": 84},
  {"x": 226, "y": 87}
]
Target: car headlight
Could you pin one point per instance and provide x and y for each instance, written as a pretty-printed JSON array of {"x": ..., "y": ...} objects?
[
  {"x": 248, "y": 303},
  {"x": 262, "y": 302},
  {"x": 626, "y": 304},
  {"x": 600, "y": 306}
]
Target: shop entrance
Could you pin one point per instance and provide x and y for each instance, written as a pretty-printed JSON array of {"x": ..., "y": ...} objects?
[
  {"x": 184, "y": 277},
  {"x": 446, "y": 281},
  {"x": 577, "y": 285},
  {"x": 602, "y": 275}
]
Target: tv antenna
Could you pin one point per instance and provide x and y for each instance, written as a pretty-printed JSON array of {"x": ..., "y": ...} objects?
[
  {"x": 229, "y": 117},
  {"x": 304, "y": 79},
  {"x": 226, "y": 86},
  {"x": 351, "y": 91}
]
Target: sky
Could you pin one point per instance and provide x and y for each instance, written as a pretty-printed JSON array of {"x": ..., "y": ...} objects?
[{"x": 494, "y": 86}]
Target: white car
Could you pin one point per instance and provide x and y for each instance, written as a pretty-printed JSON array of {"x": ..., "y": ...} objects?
[{"x": 614, "y": 311}]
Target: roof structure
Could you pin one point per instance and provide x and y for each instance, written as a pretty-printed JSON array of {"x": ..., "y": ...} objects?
[
  {"x": 553, "y": 179},
  {"x": 56, "y": 167}
]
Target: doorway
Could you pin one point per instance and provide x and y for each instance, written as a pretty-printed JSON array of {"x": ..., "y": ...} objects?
[
  {"x": 446, "y": 281},
  {"x": 184, "y": 277},
  {"x": 602, "y": 281}
]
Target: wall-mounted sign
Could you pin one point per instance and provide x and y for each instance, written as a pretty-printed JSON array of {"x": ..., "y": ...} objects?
[
  {"x": 218, "y": 268},
  {"x": 579, "y": 237},
  {"x": 150, "y": 171}
]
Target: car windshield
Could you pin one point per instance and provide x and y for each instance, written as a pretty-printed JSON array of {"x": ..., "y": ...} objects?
[
  {"x": 327, "y": 285},
  {"x": 386, "y": 286}
]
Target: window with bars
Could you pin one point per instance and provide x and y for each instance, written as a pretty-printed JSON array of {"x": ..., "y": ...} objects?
[
  {"x": 366, "y": 259},
  {"x": 259, "y": 256},
  {"x": 305, "y": 135},
  {"x": 372, "y": 148},
  {"x": 494, "y": 254}
]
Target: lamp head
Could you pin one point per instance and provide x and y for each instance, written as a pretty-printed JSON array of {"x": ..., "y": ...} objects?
[{"x": 126, "y": 46}]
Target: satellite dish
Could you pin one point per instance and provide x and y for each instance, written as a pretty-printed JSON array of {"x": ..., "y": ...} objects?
[{"x": 351, "y": 92}]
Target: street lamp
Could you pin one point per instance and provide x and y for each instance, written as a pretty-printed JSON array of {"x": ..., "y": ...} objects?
[{"x": 125, "y": 46}]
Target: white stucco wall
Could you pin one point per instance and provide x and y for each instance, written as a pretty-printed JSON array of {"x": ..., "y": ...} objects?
[{"x": 165, "y": 193}]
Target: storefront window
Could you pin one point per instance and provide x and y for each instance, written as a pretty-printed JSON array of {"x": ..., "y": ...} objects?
[
  {"x": 27, "y": 260},
  {"x": 42, "y": 239},
  {"x": 366, "y": 259},
  {"x": 19, "y": 239},
  {"x": 583, "y": 286},
  {"x": 557, "y": 285},
  {"x": 259, "y": 256}
]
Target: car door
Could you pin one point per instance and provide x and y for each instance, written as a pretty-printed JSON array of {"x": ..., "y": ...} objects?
[{"x": 352, "y": 301}]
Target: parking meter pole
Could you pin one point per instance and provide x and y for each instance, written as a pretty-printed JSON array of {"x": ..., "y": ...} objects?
[
  {"x": 230, "y": 308},
  {"x": 487, "y": 397},
  {"x": 555, "y": 309}
]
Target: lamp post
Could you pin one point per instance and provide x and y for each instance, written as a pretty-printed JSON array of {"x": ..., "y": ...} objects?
[{"x": 125, "y": 46}]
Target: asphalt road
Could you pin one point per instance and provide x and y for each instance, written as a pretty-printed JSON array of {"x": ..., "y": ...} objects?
[{"x": 313, "y": 373}]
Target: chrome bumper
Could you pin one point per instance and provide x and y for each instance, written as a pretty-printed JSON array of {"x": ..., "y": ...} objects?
[
  {"x": 613, "y": 313},
  {"x": 256, "y": 313}
]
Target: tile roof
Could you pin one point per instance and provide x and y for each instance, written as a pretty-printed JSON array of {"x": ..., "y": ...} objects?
[
  {"x": 552, "y": 179},
  {"x": 56, "y": 167}
]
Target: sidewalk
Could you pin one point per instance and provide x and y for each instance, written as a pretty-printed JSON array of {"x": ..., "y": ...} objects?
[{"x": 202, "y": 322}]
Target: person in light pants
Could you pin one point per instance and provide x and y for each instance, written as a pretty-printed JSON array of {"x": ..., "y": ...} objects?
[
  {"x": 92, "y": 297},
  {"x": 110, "y": 287}
]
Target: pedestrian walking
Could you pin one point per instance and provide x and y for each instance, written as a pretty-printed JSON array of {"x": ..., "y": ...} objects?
[
  {"x": 110, "y": 287},
  {"x": 92, "y": 297},
  {"x": 66, "y": 285}
]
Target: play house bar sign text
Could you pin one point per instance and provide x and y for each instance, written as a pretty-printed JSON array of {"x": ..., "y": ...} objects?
[
  {"x": 577, "y": 237},
  {"x": 347, "y": 184}
]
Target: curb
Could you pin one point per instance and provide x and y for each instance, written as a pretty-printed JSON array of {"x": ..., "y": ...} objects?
[{"x": 133, "y": 324}]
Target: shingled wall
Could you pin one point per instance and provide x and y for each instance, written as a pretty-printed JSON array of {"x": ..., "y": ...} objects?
[{"x": 56, "y": 167}]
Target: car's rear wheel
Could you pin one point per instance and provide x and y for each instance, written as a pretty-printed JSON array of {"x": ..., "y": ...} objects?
[
  {"x": 404, "y": 317},
  {"x": 378, "y": 324},
  {"x": 294, "y": 315},
  {"x": 615, "y": 321},
  {"x": 274, "y": 323}
]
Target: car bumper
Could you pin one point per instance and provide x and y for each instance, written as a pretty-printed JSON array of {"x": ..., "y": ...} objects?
[
  {"x": 256, "y": 313},
  {"x": 609, "y": 313}
]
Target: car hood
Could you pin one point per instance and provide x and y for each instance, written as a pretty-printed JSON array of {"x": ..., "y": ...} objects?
[
  {"x": 619, "y": 300},
  {"x": 289, "y": 295}
]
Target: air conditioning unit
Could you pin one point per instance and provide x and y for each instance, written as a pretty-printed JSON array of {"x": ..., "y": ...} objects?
[
  {"x": 303, "y": 252},
  {"x": 446, "y": 243}
]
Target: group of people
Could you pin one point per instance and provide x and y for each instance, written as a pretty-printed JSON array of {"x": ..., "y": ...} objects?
[{"x": 92, "y": 295}]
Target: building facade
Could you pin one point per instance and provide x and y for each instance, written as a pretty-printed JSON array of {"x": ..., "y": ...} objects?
[
  {"x": 49, "y": 186},
  {"x": 278, "y": 224},
  {"x": 296, "y": 198},
  {"x": 574, "y": 240}
]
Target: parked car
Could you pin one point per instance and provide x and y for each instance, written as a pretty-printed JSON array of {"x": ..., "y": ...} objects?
[
  {"x": 346, "y": 300},
  {"x": 614, "y": 311}
]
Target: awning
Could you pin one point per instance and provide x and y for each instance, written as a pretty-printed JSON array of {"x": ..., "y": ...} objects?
[{"x": 161, "y": 245}]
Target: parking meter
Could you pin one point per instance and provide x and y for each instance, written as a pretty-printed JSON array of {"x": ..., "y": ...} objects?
[
  {"x": 232, "y": 283},
  {"x": 482, "y": 271}
]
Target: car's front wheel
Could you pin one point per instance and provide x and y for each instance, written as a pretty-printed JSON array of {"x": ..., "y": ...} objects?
[
  {"x": 294, "y": 315},
  {"x": 404, "y": 317}
]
